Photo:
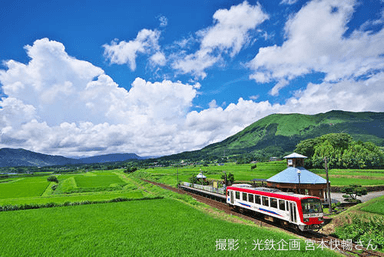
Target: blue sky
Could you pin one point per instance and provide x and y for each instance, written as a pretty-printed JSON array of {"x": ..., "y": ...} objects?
[{"x": 81, "y": 78}]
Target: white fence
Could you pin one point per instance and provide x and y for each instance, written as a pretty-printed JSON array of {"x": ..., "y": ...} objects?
[{"x": 206, "y": 188}]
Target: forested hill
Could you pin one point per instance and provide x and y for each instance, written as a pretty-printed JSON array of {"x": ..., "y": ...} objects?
[
  {"x": 278, "y": 134},
  {"x": 21, "y": 157}
]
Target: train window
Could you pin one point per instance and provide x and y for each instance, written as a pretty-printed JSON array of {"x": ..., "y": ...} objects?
[
  {"x": 265, "y": 201},
  {"x": 282, "y": 205},
  {"x": 250, "y": 198},
  {"x": 274, "y": 202},
  {"x": 287, "y": 205},
  {"x": 244, "y": 196},
  {"x": 257, "y": 199},
  {"x": 238, "y": 195},
  {"x": 311, "y": 205}
]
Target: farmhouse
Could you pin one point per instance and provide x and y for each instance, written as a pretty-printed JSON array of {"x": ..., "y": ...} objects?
[{"x": 295, "y": 178}]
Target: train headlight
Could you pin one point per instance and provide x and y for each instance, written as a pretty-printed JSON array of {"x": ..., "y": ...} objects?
[{"x": 306, "y": 220}]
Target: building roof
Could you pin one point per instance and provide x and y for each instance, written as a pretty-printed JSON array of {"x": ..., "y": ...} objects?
[
  {"x": 200, "y": 175},
  {"x": 290, "y": 175},
  {"x": 295, "y": 155}
]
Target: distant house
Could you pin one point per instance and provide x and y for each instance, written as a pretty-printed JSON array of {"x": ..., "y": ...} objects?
[
  {"x": 273, "y": 159},
  {"x": 296, "y": 178}
]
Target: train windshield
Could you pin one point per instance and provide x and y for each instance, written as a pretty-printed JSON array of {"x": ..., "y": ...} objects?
[{"x": 311, "y": 205}]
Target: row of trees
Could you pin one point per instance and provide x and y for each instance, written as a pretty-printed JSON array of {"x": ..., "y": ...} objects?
[{"x": 342, "y": 152}]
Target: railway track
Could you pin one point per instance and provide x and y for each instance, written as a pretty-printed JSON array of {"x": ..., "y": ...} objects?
[{"x": 319, "y": 238}]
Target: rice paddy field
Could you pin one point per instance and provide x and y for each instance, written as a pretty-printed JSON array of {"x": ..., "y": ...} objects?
[
  {"x": 23, "y": 187},
  {"x": 264, "y": 170},
  {"x": 91, "y": 186},
  {"x": 163, "y": 227},
  {"x": 150, "y": 222}
]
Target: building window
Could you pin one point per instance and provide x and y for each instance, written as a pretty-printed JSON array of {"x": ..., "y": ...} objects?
[
  {"x": 257, "y": 199},
  {"x": 250, "y": 198},
  {"x": 274, "y": 202},
  {"x": 238, "y": 195},
  {"x": 282, "y": 205},
  {"x": 265, "y": 201}
]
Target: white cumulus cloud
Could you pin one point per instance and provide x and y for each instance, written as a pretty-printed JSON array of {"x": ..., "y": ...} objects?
[
  {"x": 228, "y": 35},
  {"x": 58, "y": 104},
  {"x": 316, "y": 42},
  {"x": 124, "y": 52}
]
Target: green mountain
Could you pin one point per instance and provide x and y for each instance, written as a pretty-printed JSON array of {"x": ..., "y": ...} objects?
[
  {"x": 278, "y": 134},
  {"x": 21, "y": 157}
]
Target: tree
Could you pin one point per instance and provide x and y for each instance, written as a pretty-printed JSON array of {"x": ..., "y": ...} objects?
[
  {"x": 230, "y": 178},
  {"x": 341, "y": 151},
  {"x": 193, "y": 179},
  {"x": 130, "y": 170},
  {"x": 52, "y": 179},
  {"x": 353, "y": 191}
]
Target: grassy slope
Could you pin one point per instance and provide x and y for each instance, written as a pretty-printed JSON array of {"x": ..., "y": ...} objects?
[
  {"x": 375, "y": 206},
  {"x": 286, "y": 130}
]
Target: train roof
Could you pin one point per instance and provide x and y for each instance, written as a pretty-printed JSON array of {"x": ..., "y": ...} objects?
[{"x": 272, "y": 192}]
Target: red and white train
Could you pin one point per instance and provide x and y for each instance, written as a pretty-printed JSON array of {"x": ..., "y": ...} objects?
[{"x": 302, "y": 211}]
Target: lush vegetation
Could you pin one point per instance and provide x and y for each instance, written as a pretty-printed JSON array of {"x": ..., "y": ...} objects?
[
  {"x": 278, "y": 134},
  {"x": 341, "y": 152},
  {"x": 364, "y": 230},
  {"x": 101, "y": 186},
  {"x": 137, "y": 228},
  {"x": 84, "y": 225},
  {"x": 377, "y": 206},
  {"x": 24, "y": 187},
  {"x": 364, "y": 221},
  {"x": 263, "y": 170}
]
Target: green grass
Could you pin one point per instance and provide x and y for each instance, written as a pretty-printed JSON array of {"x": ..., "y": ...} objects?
[
  {"x": 101, "y": 180},
  {"x": 264, "y": 170},
  {"x": 67, "y": 190},
  {"x": 90, "y": 196},
  {"x": 168, "y": 175},
  {"x": 66, "y": 185},
  {"x": 137, "y": 228},
  {"x": 345, "y": 181},
  {"x": 25, "y": 187},
  {"x": 376, "y": 206}
]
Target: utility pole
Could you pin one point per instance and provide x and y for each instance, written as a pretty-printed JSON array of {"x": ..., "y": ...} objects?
[
  {"x": 328, "y": 185},
  {"x": 177, "y": 174}
]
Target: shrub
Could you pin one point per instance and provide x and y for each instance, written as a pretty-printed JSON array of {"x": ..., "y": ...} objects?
[
  {"x": 368, "y": 230},
  {"x": 52, "y": 179}
]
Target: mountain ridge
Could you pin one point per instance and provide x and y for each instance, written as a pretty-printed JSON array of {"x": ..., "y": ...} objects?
[
  {"x": 278, "y": 134},
  {"x": 10, "y": 157}
]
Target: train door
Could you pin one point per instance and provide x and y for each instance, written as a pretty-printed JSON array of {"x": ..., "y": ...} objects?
[
  {"x": 232, "y": 197},
  {"x": 292, "y": 212}
]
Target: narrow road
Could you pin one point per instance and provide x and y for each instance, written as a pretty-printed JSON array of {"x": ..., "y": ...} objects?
[{"x": 364, "y": 198}]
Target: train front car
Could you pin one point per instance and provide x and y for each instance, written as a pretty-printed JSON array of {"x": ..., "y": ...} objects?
[
  {"x": 312, "y": 214},
  {"x": 300, "y": 211}
]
